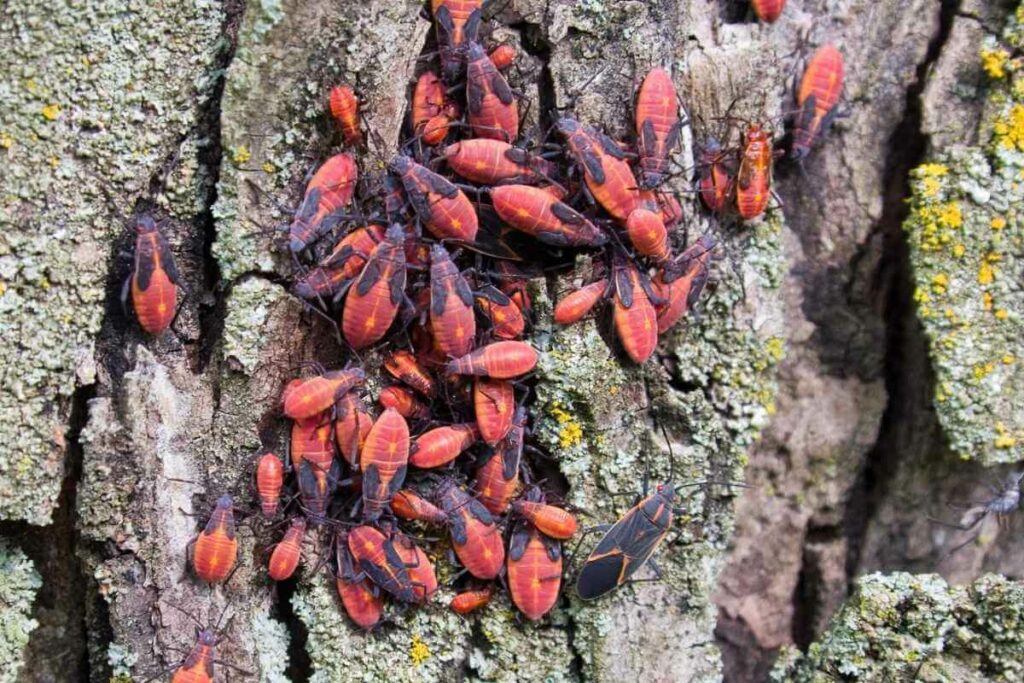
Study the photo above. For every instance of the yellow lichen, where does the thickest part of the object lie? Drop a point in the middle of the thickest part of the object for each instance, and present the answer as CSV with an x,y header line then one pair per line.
x,y
985,274
1008,359
241,155
1009,131
268,167
932,170
776,348
998,223
6,141
986,300
959,250
418,651
1001,314
1005,441
993,61
939,283
51,112
921,295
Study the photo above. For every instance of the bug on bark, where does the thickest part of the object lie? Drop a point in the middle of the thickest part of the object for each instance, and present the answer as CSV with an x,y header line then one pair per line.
x,y
154,281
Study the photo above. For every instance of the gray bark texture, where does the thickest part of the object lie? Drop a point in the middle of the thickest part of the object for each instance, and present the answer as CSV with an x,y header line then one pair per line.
x,y
814,372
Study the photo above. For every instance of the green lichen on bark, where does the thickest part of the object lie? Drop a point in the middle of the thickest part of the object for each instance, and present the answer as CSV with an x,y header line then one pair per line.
x,y
97,90
965,232
19,583
250,308
915,627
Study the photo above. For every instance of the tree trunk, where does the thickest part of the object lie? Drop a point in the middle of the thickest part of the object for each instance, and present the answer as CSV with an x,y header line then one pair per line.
x,y
210,116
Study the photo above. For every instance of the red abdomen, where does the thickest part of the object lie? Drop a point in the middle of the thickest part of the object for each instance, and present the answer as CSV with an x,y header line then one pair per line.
x,y
573,307
154,293
384,460
657,125
285,558
269,480
536,212
534,578
500,360
768,10
441,445
492,488
494,405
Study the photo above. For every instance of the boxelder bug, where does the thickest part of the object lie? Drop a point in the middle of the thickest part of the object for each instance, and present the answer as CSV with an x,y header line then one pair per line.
x,y
657,126
404,401
456,22
216,549
443,208
154,280
753,182
573,307
269,480
475,536
345,110
538,214
329,190
500,360
403,366
288,552
490,102
493,405
817,98
441,445
451,305
361,600
373,299
384,462
471,600
534,571
310,397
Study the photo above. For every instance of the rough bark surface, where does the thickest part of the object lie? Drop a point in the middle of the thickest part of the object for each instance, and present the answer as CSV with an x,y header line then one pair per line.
x,y
211,115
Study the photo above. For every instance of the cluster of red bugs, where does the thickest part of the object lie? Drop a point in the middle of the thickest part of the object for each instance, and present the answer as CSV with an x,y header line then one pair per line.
x,y
445,275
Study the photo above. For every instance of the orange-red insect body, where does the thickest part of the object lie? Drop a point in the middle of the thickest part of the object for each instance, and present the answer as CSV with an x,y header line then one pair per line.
x,y
502,56
404,401
431,109
345,110
500,360
471,600
216,549
715,182
537,213
633,313
456,22
198,665
384,462
287,554
490,102
311,397
312,441
364,605
409,505
351,426
605,170
316,486
681,294
376,556
490,162
768,10
444,209
493,488
475,536
441,445
344,263
550,520
269,480
451,305
493,405
507,320
817,99
329,191
657,126
754,178
154,279
534,571
403,366
647,232
421,571
372,301
573,307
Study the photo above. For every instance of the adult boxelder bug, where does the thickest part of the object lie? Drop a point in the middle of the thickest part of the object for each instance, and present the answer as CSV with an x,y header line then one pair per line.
x,y
475,536
403,366
490,102
377,558
345,110
404,401
817,98
471,600
657,126
456,22
443,208
288,552
328,192
604,166
409,505
493,405
537,213
352,424
154,279
269,480
441,445
361,600
310,397
753,182
534,571
451,305
500,360
373,299
550,520
636,321
628,544
216,549
573,307
384,462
